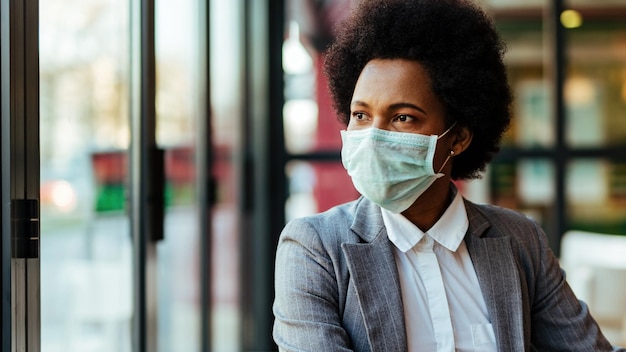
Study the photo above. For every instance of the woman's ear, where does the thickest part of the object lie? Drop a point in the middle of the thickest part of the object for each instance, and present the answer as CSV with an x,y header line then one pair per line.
x,y
462,138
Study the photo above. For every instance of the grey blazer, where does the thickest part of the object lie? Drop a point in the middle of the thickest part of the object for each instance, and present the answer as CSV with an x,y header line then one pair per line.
x,y
337,285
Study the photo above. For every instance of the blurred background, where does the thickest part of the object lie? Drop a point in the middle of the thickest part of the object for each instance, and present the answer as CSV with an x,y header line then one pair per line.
x,y
250,141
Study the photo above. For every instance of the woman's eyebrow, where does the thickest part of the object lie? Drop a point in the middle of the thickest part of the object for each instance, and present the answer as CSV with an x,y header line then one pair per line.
x,y
391,107
407,105
359,103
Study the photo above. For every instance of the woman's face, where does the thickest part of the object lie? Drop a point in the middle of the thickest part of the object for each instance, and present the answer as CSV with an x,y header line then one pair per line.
x,y
396,95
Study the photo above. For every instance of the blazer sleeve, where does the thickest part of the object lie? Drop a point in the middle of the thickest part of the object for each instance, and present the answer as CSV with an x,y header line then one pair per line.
x,y
306,306
560,322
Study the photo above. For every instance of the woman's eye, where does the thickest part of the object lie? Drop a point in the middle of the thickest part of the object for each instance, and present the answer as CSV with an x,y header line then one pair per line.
x,y
404,118
358,116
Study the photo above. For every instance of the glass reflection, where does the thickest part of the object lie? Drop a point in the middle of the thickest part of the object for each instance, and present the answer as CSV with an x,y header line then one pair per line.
x,y
226,80
596,195
178,62
86,275
316,186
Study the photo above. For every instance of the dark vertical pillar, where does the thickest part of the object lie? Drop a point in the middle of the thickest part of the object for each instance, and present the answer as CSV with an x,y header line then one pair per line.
x,y
206,184
146,176
19,154
559,65
263,180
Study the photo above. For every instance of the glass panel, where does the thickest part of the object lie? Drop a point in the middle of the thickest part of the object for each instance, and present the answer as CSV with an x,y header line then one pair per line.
x,y
316,186
86,276
593,257
177,107
520,23
526,186
310,123
596,272
595,93
533,122
596,191
226,112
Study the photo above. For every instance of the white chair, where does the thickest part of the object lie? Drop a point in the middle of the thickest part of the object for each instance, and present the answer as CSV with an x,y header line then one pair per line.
x,y
596,270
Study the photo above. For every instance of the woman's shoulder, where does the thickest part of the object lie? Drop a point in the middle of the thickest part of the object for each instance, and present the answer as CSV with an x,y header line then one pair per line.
x,y
321,234
525,233
330,224
504,222
496,213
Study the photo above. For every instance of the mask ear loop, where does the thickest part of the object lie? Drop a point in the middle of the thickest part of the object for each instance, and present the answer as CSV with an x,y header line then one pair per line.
x,y
448,130
451,152
446,161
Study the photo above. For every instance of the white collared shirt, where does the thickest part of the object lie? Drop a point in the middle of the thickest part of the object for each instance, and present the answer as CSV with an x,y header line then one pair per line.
x,y
444,308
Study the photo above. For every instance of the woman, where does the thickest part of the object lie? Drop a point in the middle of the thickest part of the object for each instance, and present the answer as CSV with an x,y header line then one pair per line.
x,y
411,265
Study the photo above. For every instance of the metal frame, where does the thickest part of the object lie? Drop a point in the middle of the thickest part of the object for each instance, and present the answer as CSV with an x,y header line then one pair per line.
x,y
20,177
263,182
206,183
559,160
146,176
5,163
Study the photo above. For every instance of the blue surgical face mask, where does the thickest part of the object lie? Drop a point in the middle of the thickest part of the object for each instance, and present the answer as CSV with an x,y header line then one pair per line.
x,y
392,169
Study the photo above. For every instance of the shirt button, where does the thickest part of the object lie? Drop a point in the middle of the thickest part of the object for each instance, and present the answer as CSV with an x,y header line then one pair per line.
x,y
428,242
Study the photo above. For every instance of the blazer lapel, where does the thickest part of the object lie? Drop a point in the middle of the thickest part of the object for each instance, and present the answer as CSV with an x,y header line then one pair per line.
x,y
375,277
499,280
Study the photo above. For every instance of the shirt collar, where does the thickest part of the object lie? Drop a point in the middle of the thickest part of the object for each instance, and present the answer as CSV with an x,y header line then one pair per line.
x,y
448,231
